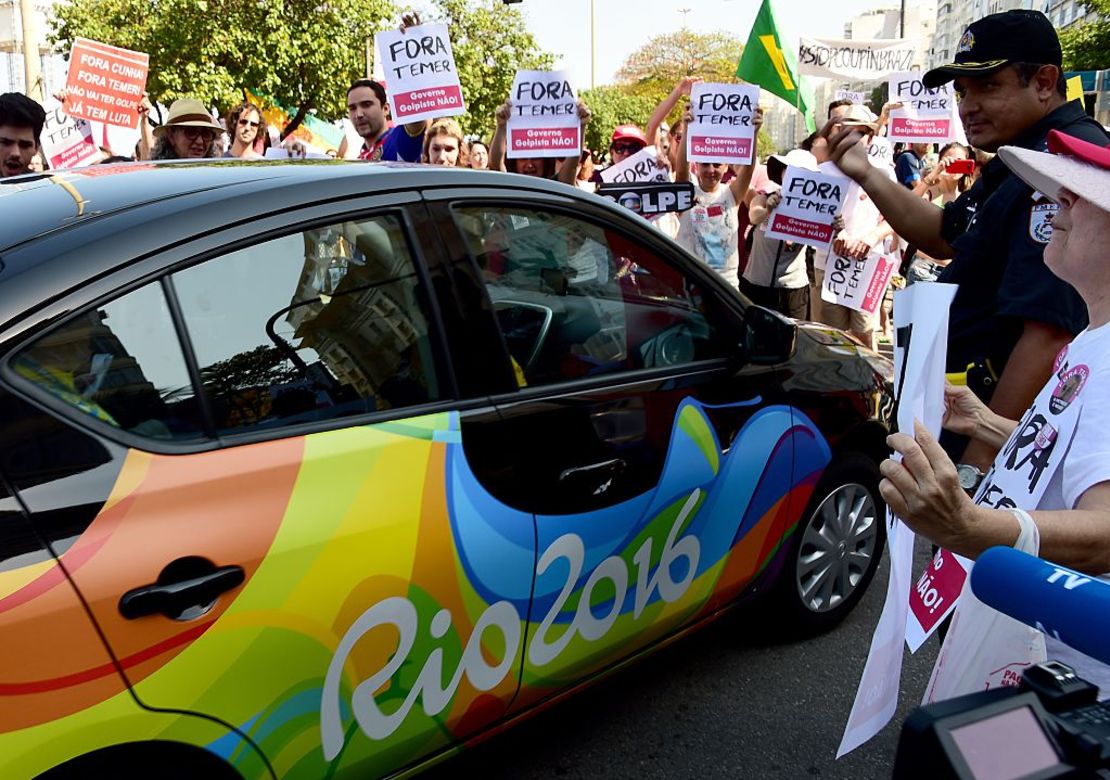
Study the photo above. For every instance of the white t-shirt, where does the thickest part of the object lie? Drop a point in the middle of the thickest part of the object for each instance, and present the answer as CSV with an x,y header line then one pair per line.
x,y
709,231
1086,463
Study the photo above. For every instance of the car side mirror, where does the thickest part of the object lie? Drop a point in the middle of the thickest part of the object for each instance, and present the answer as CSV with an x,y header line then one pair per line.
x,y
769,337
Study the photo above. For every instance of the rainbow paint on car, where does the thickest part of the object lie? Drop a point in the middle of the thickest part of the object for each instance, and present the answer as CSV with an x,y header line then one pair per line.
x,y
392,607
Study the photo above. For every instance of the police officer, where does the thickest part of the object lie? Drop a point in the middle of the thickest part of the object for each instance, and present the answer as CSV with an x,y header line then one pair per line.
x,y
1011,316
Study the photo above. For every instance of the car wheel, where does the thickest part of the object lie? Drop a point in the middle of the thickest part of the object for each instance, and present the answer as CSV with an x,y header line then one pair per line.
x,y
835,549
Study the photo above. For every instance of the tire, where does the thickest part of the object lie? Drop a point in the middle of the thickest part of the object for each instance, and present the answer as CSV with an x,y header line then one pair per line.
x,y
835,549
159,759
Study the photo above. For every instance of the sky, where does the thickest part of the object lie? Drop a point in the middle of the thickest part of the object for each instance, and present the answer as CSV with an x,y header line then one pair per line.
x,y
562,27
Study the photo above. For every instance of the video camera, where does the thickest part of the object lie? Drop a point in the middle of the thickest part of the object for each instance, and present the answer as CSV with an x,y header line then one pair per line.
x,y
1052,725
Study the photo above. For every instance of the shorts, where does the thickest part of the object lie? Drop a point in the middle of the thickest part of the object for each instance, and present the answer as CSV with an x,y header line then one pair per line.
x,y
791,302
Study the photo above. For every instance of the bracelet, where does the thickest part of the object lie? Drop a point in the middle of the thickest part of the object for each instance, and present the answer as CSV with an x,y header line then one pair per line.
x,y
1029,536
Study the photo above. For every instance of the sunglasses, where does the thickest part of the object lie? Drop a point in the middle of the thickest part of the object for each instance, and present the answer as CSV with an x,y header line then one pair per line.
x,y
245,122
626,148
193,133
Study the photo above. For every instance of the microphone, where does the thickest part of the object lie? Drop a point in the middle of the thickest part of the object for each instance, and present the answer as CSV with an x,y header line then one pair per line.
x,y
1071,607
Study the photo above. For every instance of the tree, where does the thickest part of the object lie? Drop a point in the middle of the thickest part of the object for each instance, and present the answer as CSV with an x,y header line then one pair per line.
x,y
303,53
490,44
612,106
654,68
1086,46
764,145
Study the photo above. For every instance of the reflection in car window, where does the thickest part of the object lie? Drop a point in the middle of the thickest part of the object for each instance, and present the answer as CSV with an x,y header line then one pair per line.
x,y
575,300
312,326
120,363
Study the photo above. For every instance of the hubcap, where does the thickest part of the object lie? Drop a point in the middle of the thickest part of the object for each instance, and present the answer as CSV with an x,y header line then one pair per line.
x,y
837,548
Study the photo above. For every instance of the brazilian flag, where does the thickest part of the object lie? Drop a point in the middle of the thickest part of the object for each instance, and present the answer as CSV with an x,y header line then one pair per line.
x,y
773,66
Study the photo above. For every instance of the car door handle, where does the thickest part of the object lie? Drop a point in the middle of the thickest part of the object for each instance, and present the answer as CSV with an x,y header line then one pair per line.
x,y
175,599
598,476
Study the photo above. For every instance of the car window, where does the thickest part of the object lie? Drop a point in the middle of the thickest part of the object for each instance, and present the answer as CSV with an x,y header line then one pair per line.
x,y
315,325
574,299
122,364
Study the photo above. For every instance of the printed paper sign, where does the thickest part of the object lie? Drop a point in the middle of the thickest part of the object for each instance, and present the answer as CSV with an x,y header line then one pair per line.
x,y
856,97
105,83
926,115
722,130
921,334
544,120
67,142
641,167
420,68
934,596
854,60
651,198
880,152
858,284
810,202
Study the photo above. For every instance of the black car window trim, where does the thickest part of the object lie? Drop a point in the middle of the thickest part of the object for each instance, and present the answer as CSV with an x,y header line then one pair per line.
x,y
596,218
56,406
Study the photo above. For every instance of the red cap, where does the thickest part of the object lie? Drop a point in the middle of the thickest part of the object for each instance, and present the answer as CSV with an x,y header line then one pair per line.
x,y
629,133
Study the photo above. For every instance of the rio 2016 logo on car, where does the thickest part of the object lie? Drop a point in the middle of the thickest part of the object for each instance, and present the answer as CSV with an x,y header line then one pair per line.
x,y
635,565
401,613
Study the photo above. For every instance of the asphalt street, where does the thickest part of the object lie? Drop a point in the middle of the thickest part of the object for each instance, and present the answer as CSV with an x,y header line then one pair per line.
x,y
724,702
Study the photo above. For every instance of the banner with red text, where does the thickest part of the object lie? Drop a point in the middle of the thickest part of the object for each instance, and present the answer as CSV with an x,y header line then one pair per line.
x,y
722,130
544,116
105,83
420,68
858,284
926,116
809,204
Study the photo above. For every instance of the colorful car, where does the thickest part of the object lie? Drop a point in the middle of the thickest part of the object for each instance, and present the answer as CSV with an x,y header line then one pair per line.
x,y
328,470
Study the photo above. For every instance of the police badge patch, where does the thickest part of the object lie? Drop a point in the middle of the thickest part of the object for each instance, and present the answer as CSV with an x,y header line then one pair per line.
x,y
1040,221
967,41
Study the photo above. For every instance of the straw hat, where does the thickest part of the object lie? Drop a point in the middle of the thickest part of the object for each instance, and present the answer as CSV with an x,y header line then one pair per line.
x,y
188,113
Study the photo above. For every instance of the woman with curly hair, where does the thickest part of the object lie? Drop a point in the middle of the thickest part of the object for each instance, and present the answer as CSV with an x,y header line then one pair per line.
x,y
444,145
189,133
247,128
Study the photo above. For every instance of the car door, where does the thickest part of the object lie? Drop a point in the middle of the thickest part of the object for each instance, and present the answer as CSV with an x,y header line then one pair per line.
x,y
660,467
279,549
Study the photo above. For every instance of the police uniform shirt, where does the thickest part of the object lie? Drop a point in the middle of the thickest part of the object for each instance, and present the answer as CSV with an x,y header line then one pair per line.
x,y
999,232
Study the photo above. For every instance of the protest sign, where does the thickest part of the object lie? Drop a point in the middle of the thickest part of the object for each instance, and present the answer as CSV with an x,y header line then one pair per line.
x,y
67,142
856,97
921,334
880,152
926,115
852,60
420,67
722,129
650,198
858,284
810,203
105,83
544,116
641,167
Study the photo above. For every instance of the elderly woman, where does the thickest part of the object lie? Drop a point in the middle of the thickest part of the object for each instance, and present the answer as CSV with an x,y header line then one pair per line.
x,y
1053,468
189,133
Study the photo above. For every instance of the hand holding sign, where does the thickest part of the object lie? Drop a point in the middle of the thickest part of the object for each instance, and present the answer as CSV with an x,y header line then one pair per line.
x,y
543,116
645,166
723,123
105,83
420,67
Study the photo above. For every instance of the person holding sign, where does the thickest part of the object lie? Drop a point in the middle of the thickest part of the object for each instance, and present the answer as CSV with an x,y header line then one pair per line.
x,y
1052,470
544,167
1010,316
21,121
368,110
710,230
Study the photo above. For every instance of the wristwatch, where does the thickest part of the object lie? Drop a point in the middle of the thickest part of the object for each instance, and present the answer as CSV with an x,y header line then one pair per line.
x,y
969,476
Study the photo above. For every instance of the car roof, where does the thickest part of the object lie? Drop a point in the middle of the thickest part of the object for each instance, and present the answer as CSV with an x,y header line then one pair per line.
x,y
38,205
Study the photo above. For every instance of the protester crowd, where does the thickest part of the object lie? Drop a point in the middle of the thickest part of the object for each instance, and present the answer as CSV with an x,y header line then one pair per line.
x,y
955,213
